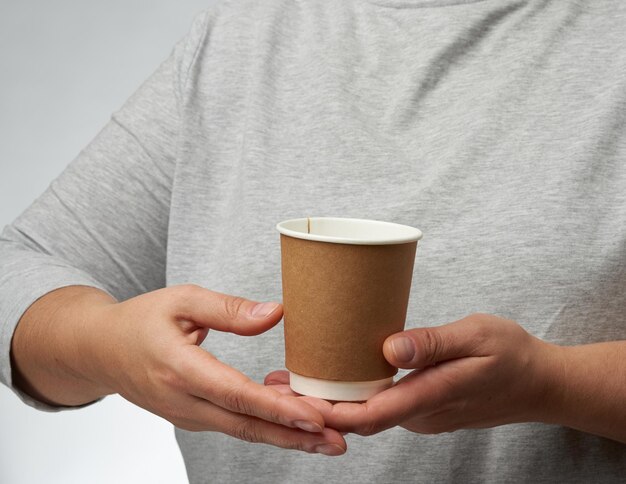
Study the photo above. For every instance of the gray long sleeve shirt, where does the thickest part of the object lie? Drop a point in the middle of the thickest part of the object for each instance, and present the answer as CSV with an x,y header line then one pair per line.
x,y
498,127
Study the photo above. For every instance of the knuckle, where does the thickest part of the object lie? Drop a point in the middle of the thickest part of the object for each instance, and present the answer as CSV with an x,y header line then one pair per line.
x,y
232,306
300,445
182,296
169,378
433,344
479,316
187,290
366,429
273,414
369,425
426,426
247,430
234,400
188,425
481,331
172,371
172,412
180,423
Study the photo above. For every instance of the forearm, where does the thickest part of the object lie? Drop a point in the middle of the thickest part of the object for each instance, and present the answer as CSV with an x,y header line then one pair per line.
x,y
52,348
590,389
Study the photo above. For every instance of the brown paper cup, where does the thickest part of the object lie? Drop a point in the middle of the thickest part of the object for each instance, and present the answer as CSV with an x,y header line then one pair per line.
x,y
346,285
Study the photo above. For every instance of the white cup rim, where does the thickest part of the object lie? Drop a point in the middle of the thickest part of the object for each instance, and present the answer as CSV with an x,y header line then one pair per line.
x,y
349,231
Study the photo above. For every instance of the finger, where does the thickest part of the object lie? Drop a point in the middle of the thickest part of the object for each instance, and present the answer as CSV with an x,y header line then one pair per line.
x,y
273,380
212,380
283,389
206,416
279,380
223,312
422,347
420,393
278,377
322,406
381,412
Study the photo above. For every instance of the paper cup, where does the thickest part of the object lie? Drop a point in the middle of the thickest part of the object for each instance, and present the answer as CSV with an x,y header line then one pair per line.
x,y
346,285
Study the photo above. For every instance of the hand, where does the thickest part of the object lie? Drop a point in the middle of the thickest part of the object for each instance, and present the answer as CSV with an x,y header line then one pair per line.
x,y
481,371
146,349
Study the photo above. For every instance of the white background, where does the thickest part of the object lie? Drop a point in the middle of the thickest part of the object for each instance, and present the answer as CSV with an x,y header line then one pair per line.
x,y
65,66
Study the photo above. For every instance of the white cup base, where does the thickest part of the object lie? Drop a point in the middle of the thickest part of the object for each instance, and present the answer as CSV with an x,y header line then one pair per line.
x,y
347,391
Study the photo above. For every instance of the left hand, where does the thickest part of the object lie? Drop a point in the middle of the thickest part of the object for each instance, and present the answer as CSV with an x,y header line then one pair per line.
x,y
480,371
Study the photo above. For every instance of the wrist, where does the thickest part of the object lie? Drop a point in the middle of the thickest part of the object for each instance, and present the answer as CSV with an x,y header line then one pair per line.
x,y
90,355
589,391
50,350
550,376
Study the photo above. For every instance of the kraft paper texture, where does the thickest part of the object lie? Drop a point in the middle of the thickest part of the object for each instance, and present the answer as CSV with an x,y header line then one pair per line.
x,y
341,302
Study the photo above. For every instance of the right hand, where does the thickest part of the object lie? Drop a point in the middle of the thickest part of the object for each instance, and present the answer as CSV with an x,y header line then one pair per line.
x,y
153,359
147,350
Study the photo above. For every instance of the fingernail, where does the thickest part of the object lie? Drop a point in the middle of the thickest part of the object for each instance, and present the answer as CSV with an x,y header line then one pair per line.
x,y
308,426
263,310
403,348
329,449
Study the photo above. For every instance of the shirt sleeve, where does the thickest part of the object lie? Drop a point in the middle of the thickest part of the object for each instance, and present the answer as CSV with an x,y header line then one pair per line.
x,y
104,221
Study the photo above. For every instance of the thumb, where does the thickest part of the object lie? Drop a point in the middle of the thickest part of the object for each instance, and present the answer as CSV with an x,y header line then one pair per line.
x,y
422,347
223,312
